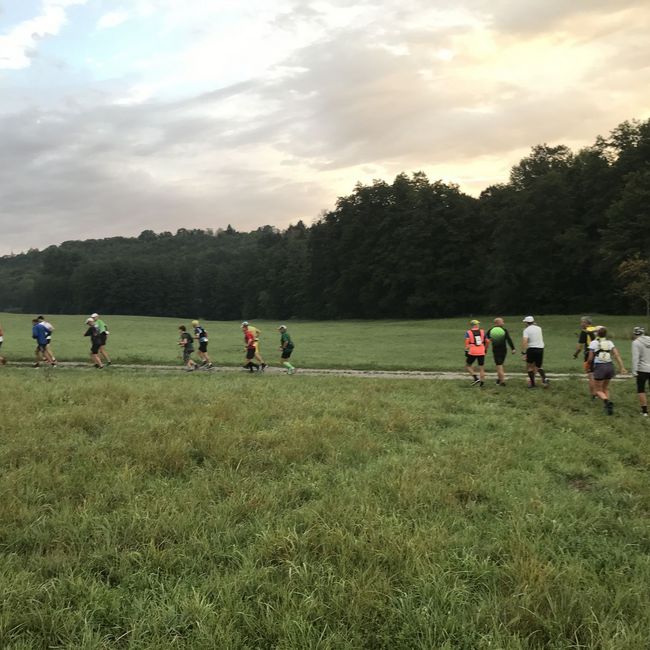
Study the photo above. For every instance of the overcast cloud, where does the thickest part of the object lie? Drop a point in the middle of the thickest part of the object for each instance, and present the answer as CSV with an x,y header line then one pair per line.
x,y
160,114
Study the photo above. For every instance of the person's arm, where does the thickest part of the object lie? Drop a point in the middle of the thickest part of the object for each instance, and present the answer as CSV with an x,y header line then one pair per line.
x,y
590,358
524,344
466,341
619,361
582,340
635,358
89,332
509,341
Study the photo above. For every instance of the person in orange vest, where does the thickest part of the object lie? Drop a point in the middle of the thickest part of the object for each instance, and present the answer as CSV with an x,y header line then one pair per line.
x,y
475,349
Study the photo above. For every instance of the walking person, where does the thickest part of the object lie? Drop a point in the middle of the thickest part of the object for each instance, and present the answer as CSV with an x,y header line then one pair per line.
x,y
586,336
202,337
532,346
641,366
601,352
499,337
249,342
286,348
103,333
3,361
187,343
95,342
475,349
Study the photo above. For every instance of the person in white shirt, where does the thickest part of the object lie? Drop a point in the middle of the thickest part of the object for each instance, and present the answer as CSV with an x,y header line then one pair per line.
x,y
641,365
601,353
532,347
2,359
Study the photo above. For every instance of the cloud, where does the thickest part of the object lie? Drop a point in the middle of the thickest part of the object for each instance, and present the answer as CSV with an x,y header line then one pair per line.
x,y
266,114
112,19
17,46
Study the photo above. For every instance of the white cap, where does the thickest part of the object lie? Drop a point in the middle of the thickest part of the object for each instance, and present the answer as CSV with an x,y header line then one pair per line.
x,y
245,323
94,315
282,327
529,319
89,320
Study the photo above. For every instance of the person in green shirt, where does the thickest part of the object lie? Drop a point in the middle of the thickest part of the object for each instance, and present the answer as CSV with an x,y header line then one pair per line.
x,y
286,348
103,335
501,340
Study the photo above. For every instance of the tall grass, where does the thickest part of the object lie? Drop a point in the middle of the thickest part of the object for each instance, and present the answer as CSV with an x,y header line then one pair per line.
x,y
388,345
236,511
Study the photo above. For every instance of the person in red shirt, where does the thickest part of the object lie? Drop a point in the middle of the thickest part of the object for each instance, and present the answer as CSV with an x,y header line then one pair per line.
x,y
249,342
475,348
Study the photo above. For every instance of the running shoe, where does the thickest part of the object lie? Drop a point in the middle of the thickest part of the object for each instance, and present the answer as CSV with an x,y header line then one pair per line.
x,y
476,381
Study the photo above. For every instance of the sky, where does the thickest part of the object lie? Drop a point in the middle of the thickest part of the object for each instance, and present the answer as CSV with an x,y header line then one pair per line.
x,y
122,116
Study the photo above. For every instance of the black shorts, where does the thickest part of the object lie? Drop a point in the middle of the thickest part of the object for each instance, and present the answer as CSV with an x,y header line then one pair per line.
x,y
102,338
470,359
286,352
536,356
250,353
641,379
187,354
94,348
203,346
603,371
499,355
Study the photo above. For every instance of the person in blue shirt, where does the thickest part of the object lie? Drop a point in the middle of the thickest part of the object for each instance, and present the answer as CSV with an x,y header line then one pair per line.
x,y
40,333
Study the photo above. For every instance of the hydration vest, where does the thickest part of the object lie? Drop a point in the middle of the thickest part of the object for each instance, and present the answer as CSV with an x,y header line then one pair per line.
x,y
476,342
604,354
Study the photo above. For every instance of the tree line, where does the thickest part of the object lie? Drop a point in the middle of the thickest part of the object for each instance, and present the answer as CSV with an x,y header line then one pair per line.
x,y
559,237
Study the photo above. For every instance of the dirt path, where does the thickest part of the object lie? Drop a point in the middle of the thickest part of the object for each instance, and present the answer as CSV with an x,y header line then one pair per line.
x,y
336,372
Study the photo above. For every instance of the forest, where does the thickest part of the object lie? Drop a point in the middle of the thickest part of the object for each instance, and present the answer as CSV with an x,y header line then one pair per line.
x,y
569,232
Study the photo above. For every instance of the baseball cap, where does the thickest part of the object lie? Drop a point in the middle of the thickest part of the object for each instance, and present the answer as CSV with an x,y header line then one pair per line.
x,y
475,322
94,315
528,319
88,321
638,331
282,327
244,323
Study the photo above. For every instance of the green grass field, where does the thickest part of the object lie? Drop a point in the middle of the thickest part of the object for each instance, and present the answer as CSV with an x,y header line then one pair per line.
x,y
387,345
148,510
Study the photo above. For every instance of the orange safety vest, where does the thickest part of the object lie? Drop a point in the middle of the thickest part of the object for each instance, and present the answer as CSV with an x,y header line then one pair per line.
x,y
475,343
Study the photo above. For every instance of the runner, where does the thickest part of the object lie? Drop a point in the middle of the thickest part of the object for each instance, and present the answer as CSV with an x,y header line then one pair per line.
x,y
187,343
95,342
48,347
258,355
601,351
286,346
500,339
202,337
3,361
103,333
475,349
532,346
249,341
587,335
40,333
641,365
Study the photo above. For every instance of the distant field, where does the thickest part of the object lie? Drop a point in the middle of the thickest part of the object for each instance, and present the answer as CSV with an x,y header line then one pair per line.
x,y
388,345
148,510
